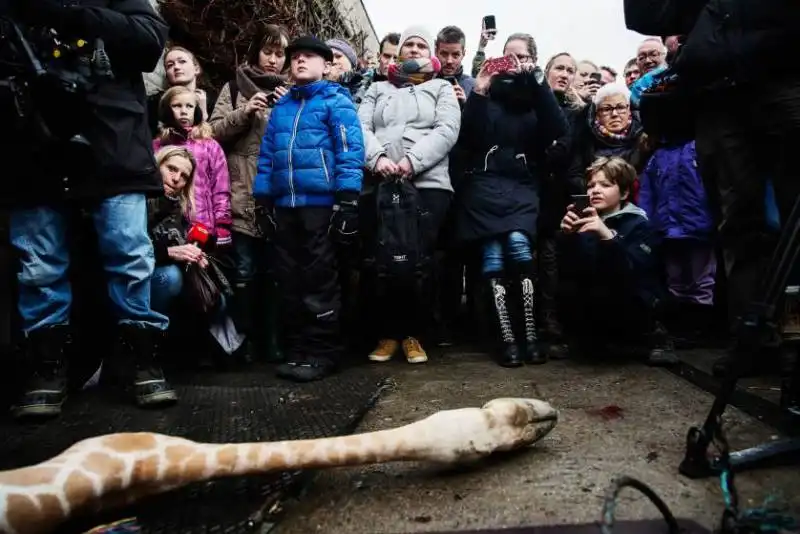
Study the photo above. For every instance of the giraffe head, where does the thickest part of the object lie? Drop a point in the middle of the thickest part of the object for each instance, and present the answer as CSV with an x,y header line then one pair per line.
x,y
528,420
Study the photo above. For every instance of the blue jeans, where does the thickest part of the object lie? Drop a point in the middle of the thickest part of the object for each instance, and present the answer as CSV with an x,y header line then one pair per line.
x,y
514,247
165,287
45,295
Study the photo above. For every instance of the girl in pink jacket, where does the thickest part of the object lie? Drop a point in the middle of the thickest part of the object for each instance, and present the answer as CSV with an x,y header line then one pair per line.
x,y
182,124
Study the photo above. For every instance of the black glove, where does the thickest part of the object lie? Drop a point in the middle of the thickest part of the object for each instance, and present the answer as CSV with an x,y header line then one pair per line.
x,y
265,217
344,221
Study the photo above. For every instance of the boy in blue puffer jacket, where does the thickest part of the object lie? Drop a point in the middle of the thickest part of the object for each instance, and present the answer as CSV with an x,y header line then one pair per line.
x,y
306,190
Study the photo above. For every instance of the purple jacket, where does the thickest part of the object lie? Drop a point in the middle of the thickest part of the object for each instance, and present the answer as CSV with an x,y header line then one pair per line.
x,y
673,195
212,186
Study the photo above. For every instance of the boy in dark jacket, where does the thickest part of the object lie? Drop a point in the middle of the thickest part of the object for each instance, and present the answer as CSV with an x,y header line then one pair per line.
x,y
306,189
609,268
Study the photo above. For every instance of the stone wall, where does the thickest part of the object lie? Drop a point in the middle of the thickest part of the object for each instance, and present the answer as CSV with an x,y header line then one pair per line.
x,y
358,17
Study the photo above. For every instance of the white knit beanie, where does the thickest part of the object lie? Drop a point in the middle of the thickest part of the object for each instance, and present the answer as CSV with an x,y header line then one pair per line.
x,y
418,31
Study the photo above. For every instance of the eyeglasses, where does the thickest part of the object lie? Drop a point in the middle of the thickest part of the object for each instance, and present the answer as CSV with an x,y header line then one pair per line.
x,y
607,110
652,54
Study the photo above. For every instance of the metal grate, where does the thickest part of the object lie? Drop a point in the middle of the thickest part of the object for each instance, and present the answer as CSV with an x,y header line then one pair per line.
x,y
237,411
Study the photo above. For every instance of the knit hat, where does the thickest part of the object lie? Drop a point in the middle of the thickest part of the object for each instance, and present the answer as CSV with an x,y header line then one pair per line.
x,y
418,31
309,43
345,48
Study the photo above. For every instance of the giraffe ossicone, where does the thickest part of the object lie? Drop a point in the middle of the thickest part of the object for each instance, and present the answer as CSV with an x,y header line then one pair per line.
x,y
118,469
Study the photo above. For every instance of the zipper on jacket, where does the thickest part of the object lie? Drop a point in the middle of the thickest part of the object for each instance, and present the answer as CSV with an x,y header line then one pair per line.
x,y
343,130
291,145
325,166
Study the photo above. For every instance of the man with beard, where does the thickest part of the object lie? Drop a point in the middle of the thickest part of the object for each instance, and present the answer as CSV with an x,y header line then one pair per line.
x,y
451,49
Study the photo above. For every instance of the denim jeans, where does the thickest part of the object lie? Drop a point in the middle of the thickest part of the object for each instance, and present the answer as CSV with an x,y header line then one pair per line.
x,y
165,287
45,295
514,247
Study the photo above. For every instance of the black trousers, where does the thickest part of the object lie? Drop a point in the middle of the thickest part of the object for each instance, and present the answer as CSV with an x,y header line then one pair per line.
x,y
458,274
593,313
745,137
397,310
549,323
307,275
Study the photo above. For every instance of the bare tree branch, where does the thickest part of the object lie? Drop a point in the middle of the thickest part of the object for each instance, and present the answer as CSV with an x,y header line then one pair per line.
x,y
219,32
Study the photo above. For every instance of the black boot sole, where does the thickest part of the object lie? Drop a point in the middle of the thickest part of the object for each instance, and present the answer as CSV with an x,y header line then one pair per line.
x,y
154,400
37,411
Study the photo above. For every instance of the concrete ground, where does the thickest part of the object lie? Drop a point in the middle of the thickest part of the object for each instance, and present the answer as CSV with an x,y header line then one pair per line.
x,y
562,479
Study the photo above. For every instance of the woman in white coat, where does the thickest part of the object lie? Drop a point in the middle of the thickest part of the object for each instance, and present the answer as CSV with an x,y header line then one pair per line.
x,y
410,122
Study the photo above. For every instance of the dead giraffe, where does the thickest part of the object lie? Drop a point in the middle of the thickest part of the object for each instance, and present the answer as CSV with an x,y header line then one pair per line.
x,y
118,469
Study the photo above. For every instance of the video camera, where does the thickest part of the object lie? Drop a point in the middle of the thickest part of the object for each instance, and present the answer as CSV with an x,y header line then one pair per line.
x,y
47,78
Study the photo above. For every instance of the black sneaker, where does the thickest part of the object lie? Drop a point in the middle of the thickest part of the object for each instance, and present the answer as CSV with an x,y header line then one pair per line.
x,y
307,369
662,351
138,350
151,388
46,390
43,399
445,335
445,338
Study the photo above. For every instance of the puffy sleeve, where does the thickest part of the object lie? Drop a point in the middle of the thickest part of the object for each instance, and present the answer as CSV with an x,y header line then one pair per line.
x,y
349,149
366,112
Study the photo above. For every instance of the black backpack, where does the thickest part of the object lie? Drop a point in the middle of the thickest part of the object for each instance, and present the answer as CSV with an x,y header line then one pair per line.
x,y
400,250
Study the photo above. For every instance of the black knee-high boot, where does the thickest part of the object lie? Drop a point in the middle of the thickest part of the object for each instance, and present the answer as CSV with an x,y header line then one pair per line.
x,y
526,278
508,354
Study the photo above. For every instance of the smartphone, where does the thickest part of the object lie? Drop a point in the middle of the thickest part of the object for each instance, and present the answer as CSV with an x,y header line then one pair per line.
x,y
500,64
596,76
452,81
490,25
581,202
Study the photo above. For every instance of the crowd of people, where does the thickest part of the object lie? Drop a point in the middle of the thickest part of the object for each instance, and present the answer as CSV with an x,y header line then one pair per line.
x,y
495,159
552,223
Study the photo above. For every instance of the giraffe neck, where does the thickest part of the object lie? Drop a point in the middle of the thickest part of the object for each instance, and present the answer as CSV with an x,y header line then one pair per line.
x,y
114,470
119,469
258,458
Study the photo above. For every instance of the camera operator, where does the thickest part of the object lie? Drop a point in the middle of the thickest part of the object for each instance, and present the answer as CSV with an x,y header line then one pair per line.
x,y
97,156
746,100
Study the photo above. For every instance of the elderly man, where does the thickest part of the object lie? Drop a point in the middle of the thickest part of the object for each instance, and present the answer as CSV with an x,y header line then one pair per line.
x,y
651,54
